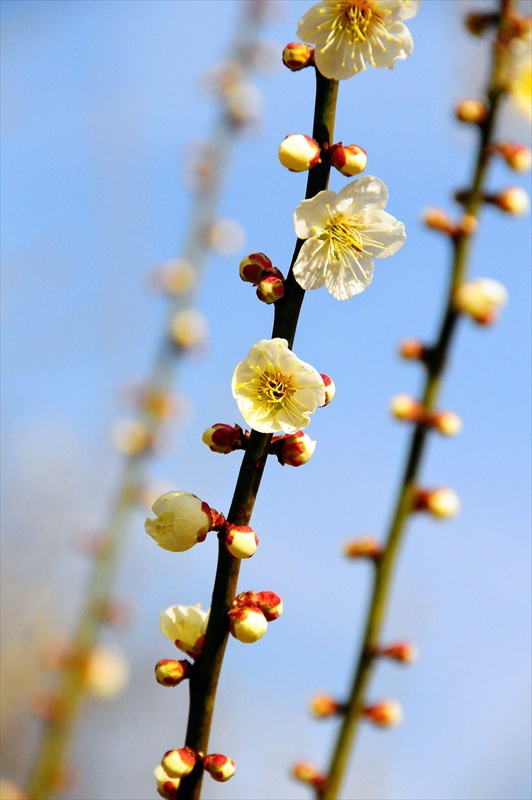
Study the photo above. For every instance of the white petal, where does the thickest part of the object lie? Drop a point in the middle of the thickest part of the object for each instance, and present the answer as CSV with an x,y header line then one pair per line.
x,y
396,49
311,264
311,215
363,195
346,281
400,9
387,231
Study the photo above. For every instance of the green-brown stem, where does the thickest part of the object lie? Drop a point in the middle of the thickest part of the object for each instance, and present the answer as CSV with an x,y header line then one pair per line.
x,y
206,671
384,568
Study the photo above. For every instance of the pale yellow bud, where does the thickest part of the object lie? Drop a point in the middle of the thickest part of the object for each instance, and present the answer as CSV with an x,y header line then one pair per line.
x,y
247,624
405,408
166,786
482,299
513,200
473,112
298,152
106,673
189,328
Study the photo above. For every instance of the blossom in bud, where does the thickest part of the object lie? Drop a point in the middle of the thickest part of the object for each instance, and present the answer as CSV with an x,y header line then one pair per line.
x,y
324,705
182,520
404,407
219,767
385,714
178,763
467,225
297,56
221,438
166,786
482,299
295,449
247,623
106,673
189,328
412,349
241,541
270,289
330,389
349,159
442,503
403,652
367,547
478,23
177,276
472,111
255,267
446,422
185,626
517,156
438,220
131,436
160,405
169,672
513,200
299,152
270,604
307,773
10,791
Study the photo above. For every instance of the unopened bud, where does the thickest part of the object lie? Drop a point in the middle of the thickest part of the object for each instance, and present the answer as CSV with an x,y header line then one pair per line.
x,y
478,23
482,299
166,786
412,349
106,673
177,276
178,763
270,289
324,705
299,152
297,56
467,225
367,547
307,773
349,159
438,220
517,156
241,541
160,405
330,389
294,449
219,767
403,652
404,407
385,714
182,520
221,438
446,422
513,200
442,503
132,437
247,624
169,672
473,112
189,329
270,604
255,267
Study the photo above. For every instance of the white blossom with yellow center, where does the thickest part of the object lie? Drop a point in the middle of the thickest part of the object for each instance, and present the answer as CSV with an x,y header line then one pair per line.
x,y
349,34
344,232
274,390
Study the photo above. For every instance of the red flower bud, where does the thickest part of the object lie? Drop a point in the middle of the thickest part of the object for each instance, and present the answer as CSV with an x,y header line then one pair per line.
x,y
270,604
349,159
221,438
297,56
219,767
169,672
255,267
270,289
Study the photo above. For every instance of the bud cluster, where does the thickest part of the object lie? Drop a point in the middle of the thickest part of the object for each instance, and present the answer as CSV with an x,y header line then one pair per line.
x,y
177,764
258,270
250,614
405,408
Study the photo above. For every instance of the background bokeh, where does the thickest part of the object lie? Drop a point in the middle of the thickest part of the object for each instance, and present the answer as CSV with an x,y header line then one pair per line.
x,y
100,102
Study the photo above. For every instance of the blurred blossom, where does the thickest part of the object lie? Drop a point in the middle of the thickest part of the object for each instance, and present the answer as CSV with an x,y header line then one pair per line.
x,y
10,791
189,328
244,103
265,56
226,236
131,436
520,87
175,276
106,673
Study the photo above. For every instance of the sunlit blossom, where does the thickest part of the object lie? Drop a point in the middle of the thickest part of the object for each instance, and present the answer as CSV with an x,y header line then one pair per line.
x,y
520,85
185,626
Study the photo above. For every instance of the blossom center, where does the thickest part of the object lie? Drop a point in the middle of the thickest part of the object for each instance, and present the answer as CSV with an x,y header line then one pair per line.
x,y
274,387
358,16
342,235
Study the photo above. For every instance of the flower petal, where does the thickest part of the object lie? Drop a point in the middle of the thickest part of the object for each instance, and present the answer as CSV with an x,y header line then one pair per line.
x,y
386,233
397,47
351,278
400,9
311,215
363,195
311,264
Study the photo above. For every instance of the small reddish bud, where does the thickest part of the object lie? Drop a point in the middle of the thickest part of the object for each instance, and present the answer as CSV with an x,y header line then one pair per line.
x,y
403,652
473,112
405,408
219,767
241,541
349,159
297,56
221,438
367,547
299,152
385,714
413,349
169,672
324,705
517,156
442,503
481,299
166,786
270,604
447,423
255,267
247,623
513,200
478,23
439,220
330,389
270,289
178,763
294,449
307,773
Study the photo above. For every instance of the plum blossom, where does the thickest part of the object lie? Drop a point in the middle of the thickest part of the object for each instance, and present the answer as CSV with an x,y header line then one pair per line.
x,y
185,626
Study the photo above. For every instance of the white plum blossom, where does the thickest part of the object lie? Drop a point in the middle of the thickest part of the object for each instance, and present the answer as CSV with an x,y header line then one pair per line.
x,y
275,390
344,232
349,34
185,626
182,520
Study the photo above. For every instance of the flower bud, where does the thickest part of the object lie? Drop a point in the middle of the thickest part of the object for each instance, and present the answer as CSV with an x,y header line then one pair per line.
x,y
299,152
182,520
226,236
221,438
330,389
255,267
185,626
166,786
178,763
349,159
324,705
131,436
307,773
177,276
403,652
241,541
247,623
482,299
270,289
367,547
405,408
467,225
294,449
169,672
478,23
160,405
189,329
439,220
446,422
270,604
442,503
513,200
10,791
219,767
385,714
297,56
517,156
473,112
412,349
106,673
